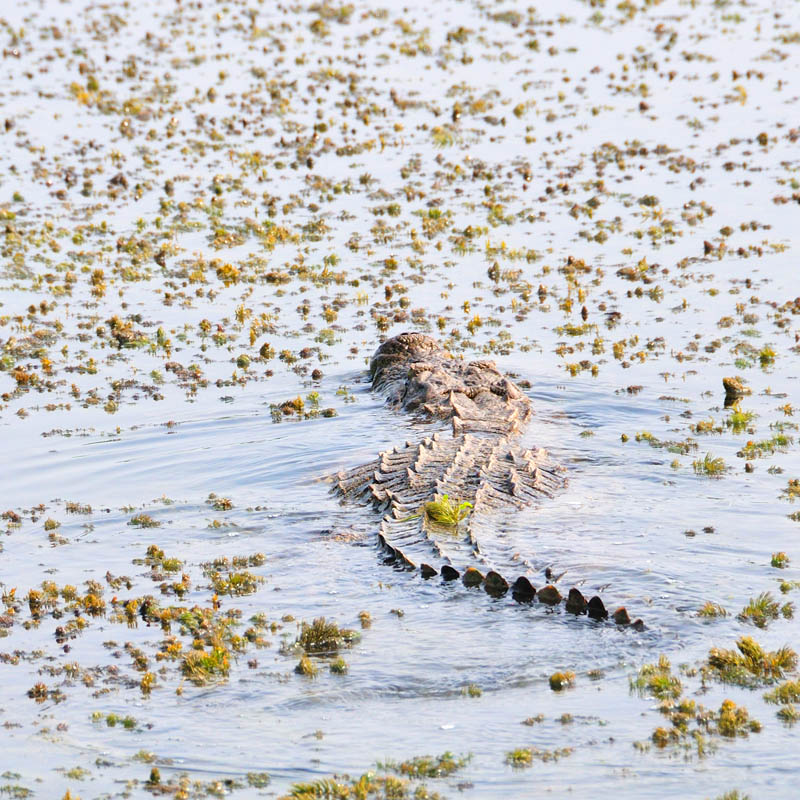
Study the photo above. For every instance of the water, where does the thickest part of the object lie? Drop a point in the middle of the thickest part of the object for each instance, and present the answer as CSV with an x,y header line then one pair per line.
x,y
170,426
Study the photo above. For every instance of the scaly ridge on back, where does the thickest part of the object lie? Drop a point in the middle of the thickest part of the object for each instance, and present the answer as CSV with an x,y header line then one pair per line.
x,y
479,464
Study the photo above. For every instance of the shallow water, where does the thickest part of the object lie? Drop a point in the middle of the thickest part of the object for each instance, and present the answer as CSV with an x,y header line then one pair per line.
x,y
166,423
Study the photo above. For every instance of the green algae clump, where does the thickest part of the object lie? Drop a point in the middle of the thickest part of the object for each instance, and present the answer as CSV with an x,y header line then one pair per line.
x,y
445,511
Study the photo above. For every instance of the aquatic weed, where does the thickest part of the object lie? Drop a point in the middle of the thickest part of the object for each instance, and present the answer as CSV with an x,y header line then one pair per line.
x,y
521,757
440,766
710,609
202,667
258,780
445,511
235,583
709,465
779,560
738,421
785,693
792,490
777,443
144,521
657,679
339,666
385,787
750,664
760,610
525,756
733,721
324,637
306,667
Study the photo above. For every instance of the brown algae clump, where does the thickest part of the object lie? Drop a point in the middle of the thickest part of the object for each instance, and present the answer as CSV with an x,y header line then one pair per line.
x,y
562,680
734,389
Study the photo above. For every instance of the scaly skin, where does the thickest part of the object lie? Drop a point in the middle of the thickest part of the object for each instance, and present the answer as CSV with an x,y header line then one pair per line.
x,y
480,463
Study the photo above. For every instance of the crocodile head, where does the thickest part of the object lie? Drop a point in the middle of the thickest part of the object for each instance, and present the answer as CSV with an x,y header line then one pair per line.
x,y
417,374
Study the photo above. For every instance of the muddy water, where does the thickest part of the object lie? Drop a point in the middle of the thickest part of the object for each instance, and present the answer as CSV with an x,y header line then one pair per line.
x,y
210,210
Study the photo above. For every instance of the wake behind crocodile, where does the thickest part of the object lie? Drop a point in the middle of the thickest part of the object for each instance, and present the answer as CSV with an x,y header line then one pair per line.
x,y
449,500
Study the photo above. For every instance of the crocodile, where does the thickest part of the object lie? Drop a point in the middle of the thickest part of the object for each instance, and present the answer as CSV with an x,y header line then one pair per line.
x,y
480,471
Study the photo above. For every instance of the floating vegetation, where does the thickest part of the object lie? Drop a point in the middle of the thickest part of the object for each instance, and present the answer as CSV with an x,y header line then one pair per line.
x,y
444,511
709,465
385,787
710,609
521,757
441,766
693,727
339,666
734,794
531,721
766,356
657,680
562,680
112,720
679,448
202,667
235,583
144,521
324,637
788,714
734,721
777,443
779,560
760,610
739,421
792,490
525,756
784,694
219,503
306,667
750,664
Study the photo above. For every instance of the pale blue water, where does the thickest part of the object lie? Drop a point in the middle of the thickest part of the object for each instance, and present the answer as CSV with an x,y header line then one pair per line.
x,y
620,524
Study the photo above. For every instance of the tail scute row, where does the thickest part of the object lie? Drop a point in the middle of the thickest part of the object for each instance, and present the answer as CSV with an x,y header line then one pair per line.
x,y
522,590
